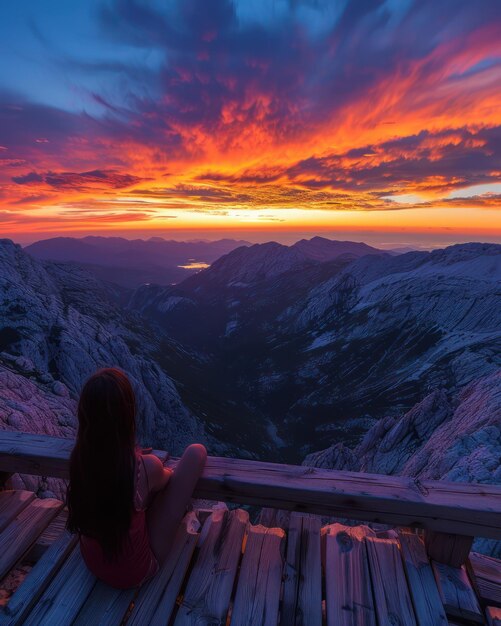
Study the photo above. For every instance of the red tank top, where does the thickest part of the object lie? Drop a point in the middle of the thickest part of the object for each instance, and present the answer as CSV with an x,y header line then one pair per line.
x,y
136,561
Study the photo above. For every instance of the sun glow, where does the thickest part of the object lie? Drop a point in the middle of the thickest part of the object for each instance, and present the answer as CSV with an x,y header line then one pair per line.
x,y
295,132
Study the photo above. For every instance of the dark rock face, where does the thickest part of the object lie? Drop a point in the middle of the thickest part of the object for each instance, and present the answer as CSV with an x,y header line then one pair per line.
x,y
60,324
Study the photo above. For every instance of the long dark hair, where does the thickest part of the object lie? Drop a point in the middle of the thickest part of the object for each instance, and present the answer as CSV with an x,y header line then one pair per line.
x,y
100,493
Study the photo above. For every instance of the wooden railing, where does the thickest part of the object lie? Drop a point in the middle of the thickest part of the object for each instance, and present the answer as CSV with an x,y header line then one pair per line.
x,y
451,513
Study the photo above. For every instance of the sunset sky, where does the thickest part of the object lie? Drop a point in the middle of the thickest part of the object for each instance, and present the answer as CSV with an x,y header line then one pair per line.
x,y
259,118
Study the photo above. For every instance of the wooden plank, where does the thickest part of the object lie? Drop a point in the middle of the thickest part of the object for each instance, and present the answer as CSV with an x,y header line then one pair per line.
x,y
62,600
422,585
487,573
11,504
274,518
104,606
37,580
468,509
456,592
258,590
52,533
302,594
462,508
391,594
156,601
39,455
348,589
208,592
493,616
447,548
24,529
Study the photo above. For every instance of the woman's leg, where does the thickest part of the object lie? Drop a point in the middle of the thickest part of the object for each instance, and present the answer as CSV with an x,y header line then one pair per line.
x,y
169,505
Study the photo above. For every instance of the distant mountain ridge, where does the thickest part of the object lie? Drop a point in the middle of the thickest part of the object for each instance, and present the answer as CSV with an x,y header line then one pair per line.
x,y
161,261
322,249
251,264
154,260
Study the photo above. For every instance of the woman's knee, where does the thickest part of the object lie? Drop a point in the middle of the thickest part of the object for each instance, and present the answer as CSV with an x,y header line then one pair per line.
x,y
196,454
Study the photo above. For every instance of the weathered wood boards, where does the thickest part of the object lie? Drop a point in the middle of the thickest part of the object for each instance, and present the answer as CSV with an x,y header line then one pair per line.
x,y
348,590
104,606
35,454
62,600
156,600
53,531
391,595
369,579
457,594
421,581
487,573
24,529
37,580
12,503
207,596
461,508
302,592
258,591
465,509
447,548
40,455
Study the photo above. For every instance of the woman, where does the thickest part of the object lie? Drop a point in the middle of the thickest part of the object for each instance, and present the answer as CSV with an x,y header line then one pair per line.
x,y
125,505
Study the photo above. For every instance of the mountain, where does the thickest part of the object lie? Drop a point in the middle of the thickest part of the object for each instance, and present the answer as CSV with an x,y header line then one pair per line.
x,y
58,325
322,249
131,263
314,347
259,262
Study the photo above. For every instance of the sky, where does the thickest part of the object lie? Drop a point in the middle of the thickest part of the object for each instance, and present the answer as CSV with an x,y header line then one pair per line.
x,y
265,119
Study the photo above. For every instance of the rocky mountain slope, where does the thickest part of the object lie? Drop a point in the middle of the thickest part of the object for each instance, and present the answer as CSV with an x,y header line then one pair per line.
x,y
454,438
59,324
313,348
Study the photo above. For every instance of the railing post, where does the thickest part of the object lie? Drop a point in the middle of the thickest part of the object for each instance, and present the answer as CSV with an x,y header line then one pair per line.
x,y
447,548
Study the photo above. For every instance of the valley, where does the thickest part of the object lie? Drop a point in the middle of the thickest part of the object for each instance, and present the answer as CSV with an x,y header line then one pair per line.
x,y
317,352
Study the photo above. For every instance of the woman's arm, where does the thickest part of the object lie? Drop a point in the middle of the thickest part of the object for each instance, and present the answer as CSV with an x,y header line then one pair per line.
x,y
158,475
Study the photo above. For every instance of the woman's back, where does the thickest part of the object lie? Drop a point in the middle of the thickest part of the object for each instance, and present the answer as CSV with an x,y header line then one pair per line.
x,y
136,561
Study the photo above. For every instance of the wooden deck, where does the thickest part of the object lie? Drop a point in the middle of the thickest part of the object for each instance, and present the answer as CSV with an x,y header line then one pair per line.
x,y
226,571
